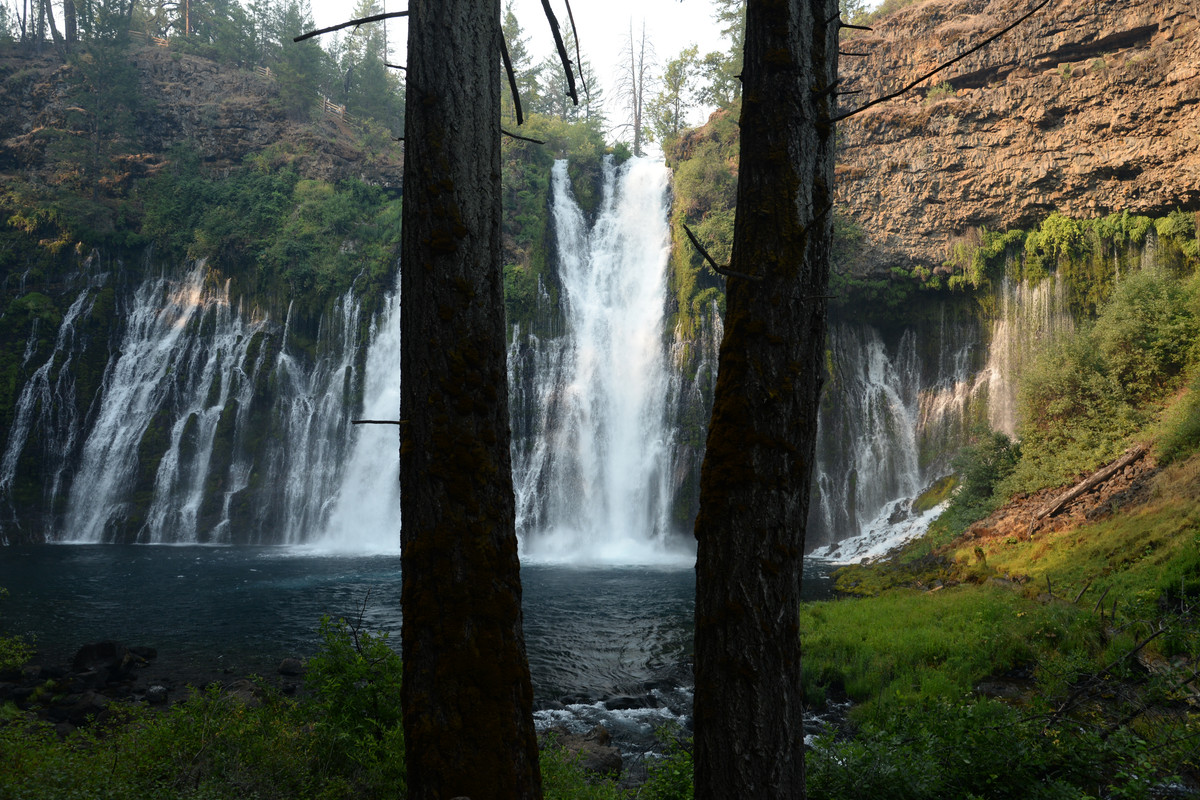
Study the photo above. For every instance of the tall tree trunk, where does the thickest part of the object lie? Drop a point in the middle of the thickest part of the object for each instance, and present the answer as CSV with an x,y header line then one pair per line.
x,y
467,696
59,44
70,22
754,484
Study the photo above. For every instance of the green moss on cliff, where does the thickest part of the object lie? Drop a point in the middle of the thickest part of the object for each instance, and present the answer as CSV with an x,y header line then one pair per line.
x,y
525,180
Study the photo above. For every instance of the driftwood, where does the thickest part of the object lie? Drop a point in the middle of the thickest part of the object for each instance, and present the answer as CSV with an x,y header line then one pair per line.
x,y
1101,475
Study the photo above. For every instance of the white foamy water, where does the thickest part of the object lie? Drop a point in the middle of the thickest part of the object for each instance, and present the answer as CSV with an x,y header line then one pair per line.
x,y
595,486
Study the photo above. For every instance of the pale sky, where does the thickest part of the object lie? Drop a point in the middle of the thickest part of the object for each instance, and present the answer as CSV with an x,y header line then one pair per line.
x,y
671,25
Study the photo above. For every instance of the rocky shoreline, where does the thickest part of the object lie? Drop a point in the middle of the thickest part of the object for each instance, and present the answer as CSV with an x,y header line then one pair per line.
x,y
104,673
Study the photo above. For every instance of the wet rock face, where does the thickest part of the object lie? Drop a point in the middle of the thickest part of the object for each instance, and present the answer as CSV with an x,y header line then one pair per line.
x,y
1085,109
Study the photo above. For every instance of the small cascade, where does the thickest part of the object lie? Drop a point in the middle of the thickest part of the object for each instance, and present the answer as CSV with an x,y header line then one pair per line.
x,y
593,481
1030,317
316,398
890,420
163,397
47,408
365,512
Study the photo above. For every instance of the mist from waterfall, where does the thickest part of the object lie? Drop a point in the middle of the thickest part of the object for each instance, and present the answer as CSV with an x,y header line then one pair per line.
x,y
594,486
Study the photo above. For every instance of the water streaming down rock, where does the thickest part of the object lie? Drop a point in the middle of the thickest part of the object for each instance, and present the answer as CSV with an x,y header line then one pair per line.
x,y
206,427
365,512
1029,318
168,386
887,416
47,412
206,421
594,478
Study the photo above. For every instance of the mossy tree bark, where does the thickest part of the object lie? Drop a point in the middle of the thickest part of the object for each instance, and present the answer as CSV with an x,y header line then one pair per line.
x,y
754,485
467,697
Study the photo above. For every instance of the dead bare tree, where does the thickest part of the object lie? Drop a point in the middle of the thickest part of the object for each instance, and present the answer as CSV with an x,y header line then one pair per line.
x,y
633,84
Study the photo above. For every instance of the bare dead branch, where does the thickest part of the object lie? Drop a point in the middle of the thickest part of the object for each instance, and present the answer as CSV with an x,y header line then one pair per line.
x,y
512,80
352,23
1082,591
1098,606
395,66
946,64
856,55
562,51
512,135
854,27
726,271
378,422
587,92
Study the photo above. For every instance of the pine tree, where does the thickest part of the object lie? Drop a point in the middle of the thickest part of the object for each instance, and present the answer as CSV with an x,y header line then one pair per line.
x,y
467,695
668,110
758,463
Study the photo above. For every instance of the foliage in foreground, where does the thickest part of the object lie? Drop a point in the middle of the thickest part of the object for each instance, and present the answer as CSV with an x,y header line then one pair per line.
x,y
1059,667
342,739
14,650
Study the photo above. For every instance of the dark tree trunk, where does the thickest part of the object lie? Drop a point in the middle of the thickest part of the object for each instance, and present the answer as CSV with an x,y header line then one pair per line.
x,y
70,22
467,696
754,484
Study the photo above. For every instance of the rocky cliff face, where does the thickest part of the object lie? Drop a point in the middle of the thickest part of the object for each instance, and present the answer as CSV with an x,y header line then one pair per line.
x,y
1085,109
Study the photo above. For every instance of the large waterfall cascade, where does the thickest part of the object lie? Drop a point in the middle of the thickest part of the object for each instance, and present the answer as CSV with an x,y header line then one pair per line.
x,y
163,366
595,484
365,511
207,428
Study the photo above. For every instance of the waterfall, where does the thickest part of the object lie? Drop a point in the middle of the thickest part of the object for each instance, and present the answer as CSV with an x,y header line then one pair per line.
x,y
1029,318
594,483
890,419
166,386
47,407
366,507
208,425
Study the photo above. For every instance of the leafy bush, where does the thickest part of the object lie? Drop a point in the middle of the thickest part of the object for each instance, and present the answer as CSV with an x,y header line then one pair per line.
x,y
344,741
671,776
1178,434
981,467
563,778
940,92
355,680
14,651
1089,392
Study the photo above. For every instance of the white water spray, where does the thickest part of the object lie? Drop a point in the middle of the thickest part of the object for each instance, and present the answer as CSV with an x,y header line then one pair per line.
x,y
164,368
366,510
596,484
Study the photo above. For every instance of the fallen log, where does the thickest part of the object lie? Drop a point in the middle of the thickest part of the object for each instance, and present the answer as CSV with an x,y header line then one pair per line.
x,y
1099,476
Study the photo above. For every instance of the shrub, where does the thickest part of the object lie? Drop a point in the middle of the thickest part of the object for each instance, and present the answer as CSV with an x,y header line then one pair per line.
x,y
1179,431
355,681
980,466
14,650
940,92
1089,392
670,776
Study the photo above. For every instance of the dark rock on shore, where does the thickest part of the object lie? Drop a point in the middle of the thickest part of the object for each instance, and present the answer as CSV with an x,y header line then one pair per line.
x,y
595,749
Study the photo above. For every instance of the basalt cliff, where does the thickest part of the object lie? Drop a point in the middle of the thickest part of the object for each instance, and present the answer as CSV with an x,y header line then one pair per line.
x,y
1085,108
